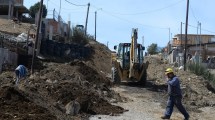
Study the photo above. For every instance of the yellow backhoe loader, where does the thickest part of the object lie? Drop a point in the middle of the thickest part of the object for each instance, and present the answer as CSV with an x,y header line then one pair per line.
x,y
128,63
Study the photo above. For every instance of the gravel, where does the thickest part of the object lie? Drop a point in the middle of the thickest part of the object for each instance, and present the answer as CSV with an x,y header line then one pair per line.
x,y
140,105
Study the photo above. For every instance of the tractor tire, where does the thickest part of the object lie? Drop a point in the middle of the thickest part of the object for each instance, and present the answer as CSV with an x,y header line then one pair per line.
x,y
143,79
115,76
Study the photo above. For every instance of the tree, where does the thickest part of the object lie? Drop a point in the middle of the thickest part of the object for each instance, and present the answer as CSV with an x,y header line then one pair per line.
x,y
152,49
35,8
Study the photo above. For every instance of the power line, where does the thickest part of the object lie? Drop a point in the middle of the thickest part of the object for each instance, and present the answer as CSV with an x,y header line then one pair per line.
x,y
151,11
208,31
129,21
192,11
70,9
193,14
62,7
112,14
54,3
201,28
74,3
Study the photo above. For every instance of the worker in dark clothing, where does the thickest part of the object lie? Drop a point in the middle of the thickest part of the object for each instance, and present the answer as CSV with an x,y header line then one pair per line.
x,y
175,96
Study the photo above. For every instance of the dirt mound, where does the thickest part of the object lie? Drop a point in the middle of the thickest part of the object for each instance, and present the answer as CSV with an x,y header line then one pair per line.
x,y
51,88
197,92
90,74
14,104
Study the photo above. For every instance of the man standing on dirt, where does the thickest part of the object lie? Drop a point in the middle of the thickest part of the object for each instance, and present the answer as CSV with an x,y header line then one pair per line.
x,y
175,96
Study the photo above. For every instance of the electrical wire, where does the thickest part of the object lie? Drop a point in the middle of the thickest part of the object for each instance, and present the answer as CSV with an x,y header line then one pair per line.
x,y
111,14
63,8
54,3
202,29
193,14
151,11
75,4
129,21
71,9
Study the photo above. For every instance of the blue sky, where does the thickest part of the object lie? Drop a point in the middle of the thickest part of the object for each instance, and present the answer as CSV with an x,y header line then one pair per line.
x,y
153,18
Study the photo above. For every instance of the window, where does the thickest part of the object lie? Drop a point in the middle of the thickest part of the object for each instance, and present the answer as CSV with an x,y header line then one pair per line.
x,y
127,49
140,54
120,51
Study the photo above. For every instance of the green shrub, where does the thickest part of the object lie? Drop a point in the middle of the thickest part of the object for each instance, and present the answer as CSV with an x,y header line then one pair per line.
x,y
80,37
199,70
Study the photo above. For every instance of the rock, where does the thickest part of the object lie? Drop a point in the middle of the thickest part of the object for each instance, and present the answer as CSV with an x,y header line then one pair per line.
x,y
113,101
55,81
105,93
181,68
72,108
48,81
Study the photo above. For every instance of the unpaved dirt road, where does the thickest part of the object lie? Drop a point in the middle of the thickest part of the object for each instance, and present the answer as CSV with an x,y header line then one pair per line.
x,y
147,103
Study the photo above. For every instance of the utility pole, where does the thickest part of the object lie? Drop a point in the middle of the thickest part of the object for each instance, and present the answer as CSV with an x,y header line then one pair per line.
x,y
87,18
107,43
47,5
197,36
200,40
95,24
185,45
54,14
143,41
181,38
169,45
60,8
169,34
37,37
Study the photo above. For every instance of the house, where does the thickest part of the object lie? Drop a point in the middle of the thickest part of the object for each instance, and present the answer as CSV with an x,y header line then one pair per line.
x,y
192,39
196,44
12,8
57,29
206,50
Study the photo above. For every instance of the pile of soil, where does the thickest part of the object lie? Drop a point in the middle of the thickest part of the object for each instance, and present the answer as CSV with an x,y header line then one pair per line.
x,y
15,105
50,89
197,92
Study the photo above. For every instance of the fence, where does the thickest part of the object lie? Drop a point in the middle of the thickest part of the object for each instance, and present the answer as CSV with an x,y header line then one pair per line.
x,y
62,50
57,17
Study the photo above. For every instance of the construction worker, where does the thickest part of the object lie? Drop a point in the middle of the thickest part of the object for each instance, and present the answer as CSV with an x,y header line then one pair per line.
x,y
21,72
175,96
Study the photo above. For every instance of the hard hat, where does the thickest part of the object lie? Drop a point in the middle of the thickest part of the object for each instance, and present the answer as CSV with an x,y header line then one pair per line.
x,y
168,70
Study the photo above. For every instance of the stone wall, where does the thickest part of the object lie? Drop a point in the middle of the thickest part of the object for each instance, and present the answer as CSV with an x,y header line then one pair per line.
x,y
70,51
